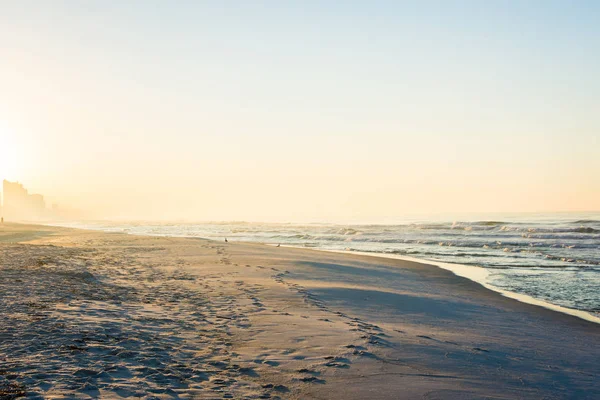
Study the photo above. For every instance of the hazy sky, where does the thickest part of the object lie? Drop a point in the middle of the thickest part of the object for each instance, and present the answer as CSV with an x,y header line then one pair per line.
x,y
302,110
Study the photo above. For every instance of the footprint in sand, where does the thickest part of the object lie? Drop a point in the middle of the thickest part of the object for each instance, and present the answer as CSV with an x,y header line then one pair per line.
x,y
337,365
271,363
312,379
278,388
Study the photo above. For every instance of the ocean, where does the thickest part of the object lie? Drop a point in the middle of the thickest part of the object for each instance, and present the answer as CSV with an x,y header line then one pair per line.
x,y
554,258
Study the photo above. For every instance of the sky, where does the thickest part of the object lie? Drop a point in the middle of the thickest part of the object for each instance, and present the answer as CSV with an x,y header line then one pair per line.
x,y
302,110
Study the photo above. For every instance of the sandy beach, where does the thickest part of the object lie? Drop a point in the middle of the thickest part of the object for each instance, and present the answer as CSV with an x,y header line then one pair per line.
x,y
86,314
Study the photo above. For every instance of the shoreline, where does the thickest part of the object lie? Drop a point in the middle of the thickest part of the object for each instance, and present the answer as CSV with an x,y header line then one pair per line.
x,y
477,275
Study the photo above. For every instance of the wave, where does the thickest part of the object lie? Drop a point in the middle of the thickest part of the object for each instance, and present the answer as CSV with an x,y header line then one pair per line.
x,y
586,230
346,232
508,227
491,223
564,236
431,226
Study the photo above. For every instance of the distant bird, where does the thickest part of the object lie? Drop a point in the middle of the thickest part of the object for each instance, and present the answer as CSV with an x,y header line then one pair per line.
x,y
226,240
278,244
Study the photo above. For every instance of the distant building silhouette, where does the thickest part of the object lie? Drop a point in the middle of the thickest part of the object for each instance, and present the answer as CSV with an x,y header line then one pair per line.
x,y
18,204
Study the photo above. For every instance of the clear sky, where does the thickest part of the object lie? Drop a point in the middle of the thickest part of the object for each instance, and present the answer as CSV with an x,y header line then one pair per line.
x,y
302,110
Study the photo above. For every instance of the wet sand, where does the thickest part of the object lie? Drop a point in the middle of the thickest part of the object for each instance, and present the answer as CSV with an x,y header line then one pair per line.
x,y
88,314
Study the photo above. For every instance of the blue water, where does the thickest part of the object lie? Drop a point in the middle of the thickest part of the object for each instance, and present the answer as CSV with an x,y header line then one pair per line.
x,y
552,257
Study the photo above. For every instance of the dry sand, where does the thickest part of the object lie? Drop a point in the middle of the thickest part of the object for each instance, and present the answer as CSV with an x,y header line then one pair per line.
x,y
88,314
